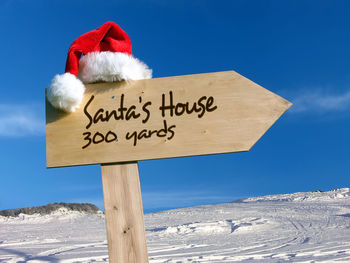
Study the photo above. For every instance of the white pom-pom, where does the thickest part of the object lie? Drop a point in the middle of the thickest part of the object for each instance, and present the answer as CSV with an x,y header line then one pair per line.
x,y
66,92
111,66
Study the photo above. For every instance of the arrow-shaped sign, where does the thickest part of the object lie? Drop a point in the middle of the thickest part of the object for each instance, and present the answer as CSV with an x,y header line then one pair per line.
x,y
162,118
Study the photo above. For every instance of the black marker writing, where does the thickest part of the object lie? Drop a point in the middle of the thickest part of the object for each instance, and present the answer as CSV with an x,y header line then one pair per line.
x,y
99,138
148,113
203,105
145,134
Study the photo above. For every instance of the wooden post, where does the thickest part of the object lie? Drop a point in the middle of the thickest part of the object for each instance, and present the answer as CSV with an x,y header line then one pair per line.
x,y
124,213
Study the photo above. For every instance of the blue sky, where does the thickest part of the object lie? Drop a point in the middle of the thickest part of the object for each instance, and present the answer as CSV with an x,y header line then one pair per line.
x,y
297,49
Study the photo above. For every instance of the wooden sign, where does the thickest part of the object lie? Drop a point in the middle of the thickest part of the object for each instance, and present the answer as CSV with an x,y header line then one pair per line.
x,y
162,118
121,123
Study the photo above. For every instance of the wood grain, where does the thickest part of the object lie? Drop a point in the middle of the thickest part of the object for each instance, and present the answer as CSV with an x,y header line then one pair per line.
x,y
245,111
124,214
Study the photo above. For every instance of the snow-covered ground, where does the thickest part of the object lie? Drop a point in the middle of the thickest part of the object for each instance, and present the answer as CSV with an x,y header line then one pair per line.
x,y
300,227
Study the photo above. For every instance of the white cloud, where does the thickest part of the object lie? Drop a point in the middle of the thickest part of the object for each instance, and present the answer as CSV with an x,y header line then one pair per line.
x,y
21,120
320,101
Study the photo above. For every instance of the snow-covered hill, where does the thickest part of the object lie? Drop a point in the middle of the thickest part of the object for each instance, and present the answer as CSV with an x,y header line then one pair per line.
x,y
315,196
300,227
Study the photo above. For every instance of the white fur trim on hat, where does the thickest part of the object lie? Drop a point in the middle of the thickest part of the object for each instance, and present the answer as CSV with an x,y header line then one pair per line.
x,y
65,92
111,66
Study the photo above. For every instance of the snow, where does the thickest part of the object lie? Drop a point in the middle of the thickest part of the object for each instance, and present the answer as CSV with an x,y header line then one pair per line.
x,y
299,227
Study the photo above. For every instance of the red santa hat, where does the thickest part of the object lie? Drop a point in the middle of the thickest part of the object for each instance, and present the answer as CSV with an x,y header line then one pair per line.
x,y
103,54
